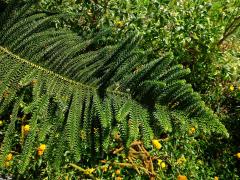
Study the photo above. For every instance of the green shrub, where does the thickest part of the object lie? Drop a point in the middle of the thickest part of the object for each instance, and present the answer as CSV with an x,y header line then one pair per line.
x,y
76,95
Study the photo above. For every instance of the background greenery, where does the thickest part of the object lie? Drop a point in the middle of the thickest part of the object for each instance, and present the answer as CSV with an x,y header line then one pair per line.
x,y
204,36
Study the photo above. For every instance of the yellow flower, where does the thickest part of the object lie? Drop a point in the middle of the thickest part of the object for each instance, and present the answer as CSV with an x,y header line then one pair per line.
x,y
26,128
163,165
113,175
119,24
9,157
216,178
192,131
156,144
118,171
239,88
181,160
119,178
231,88
104,168
42,147
159,161
40,153
238,155
1,123
182,177
89,171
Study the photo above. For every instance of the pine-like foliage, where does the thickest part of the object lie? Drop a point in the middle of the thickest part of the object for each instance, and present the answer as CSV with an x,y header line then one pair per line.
x,y
75,96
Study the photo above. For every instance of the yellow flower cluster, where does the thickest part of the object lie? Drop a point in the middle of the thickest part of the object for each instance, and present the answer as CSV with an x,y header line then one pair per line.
x,y
181,160
231,88
41,149
182,177
8,159
118,171
26,129
156,144
192,131
238,155
118,178
162,164
1,123
119,24
104,168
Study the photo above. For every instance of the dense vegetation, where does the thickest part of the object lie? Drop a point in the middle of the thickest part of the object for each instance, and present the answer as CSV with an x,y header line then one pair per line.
x,y
104,89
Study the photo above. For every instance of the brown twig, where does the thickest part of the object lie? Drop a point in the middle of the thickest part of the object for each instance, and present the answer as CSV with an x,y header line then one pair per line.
x,y
230,29
81,169
134,166
118,150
